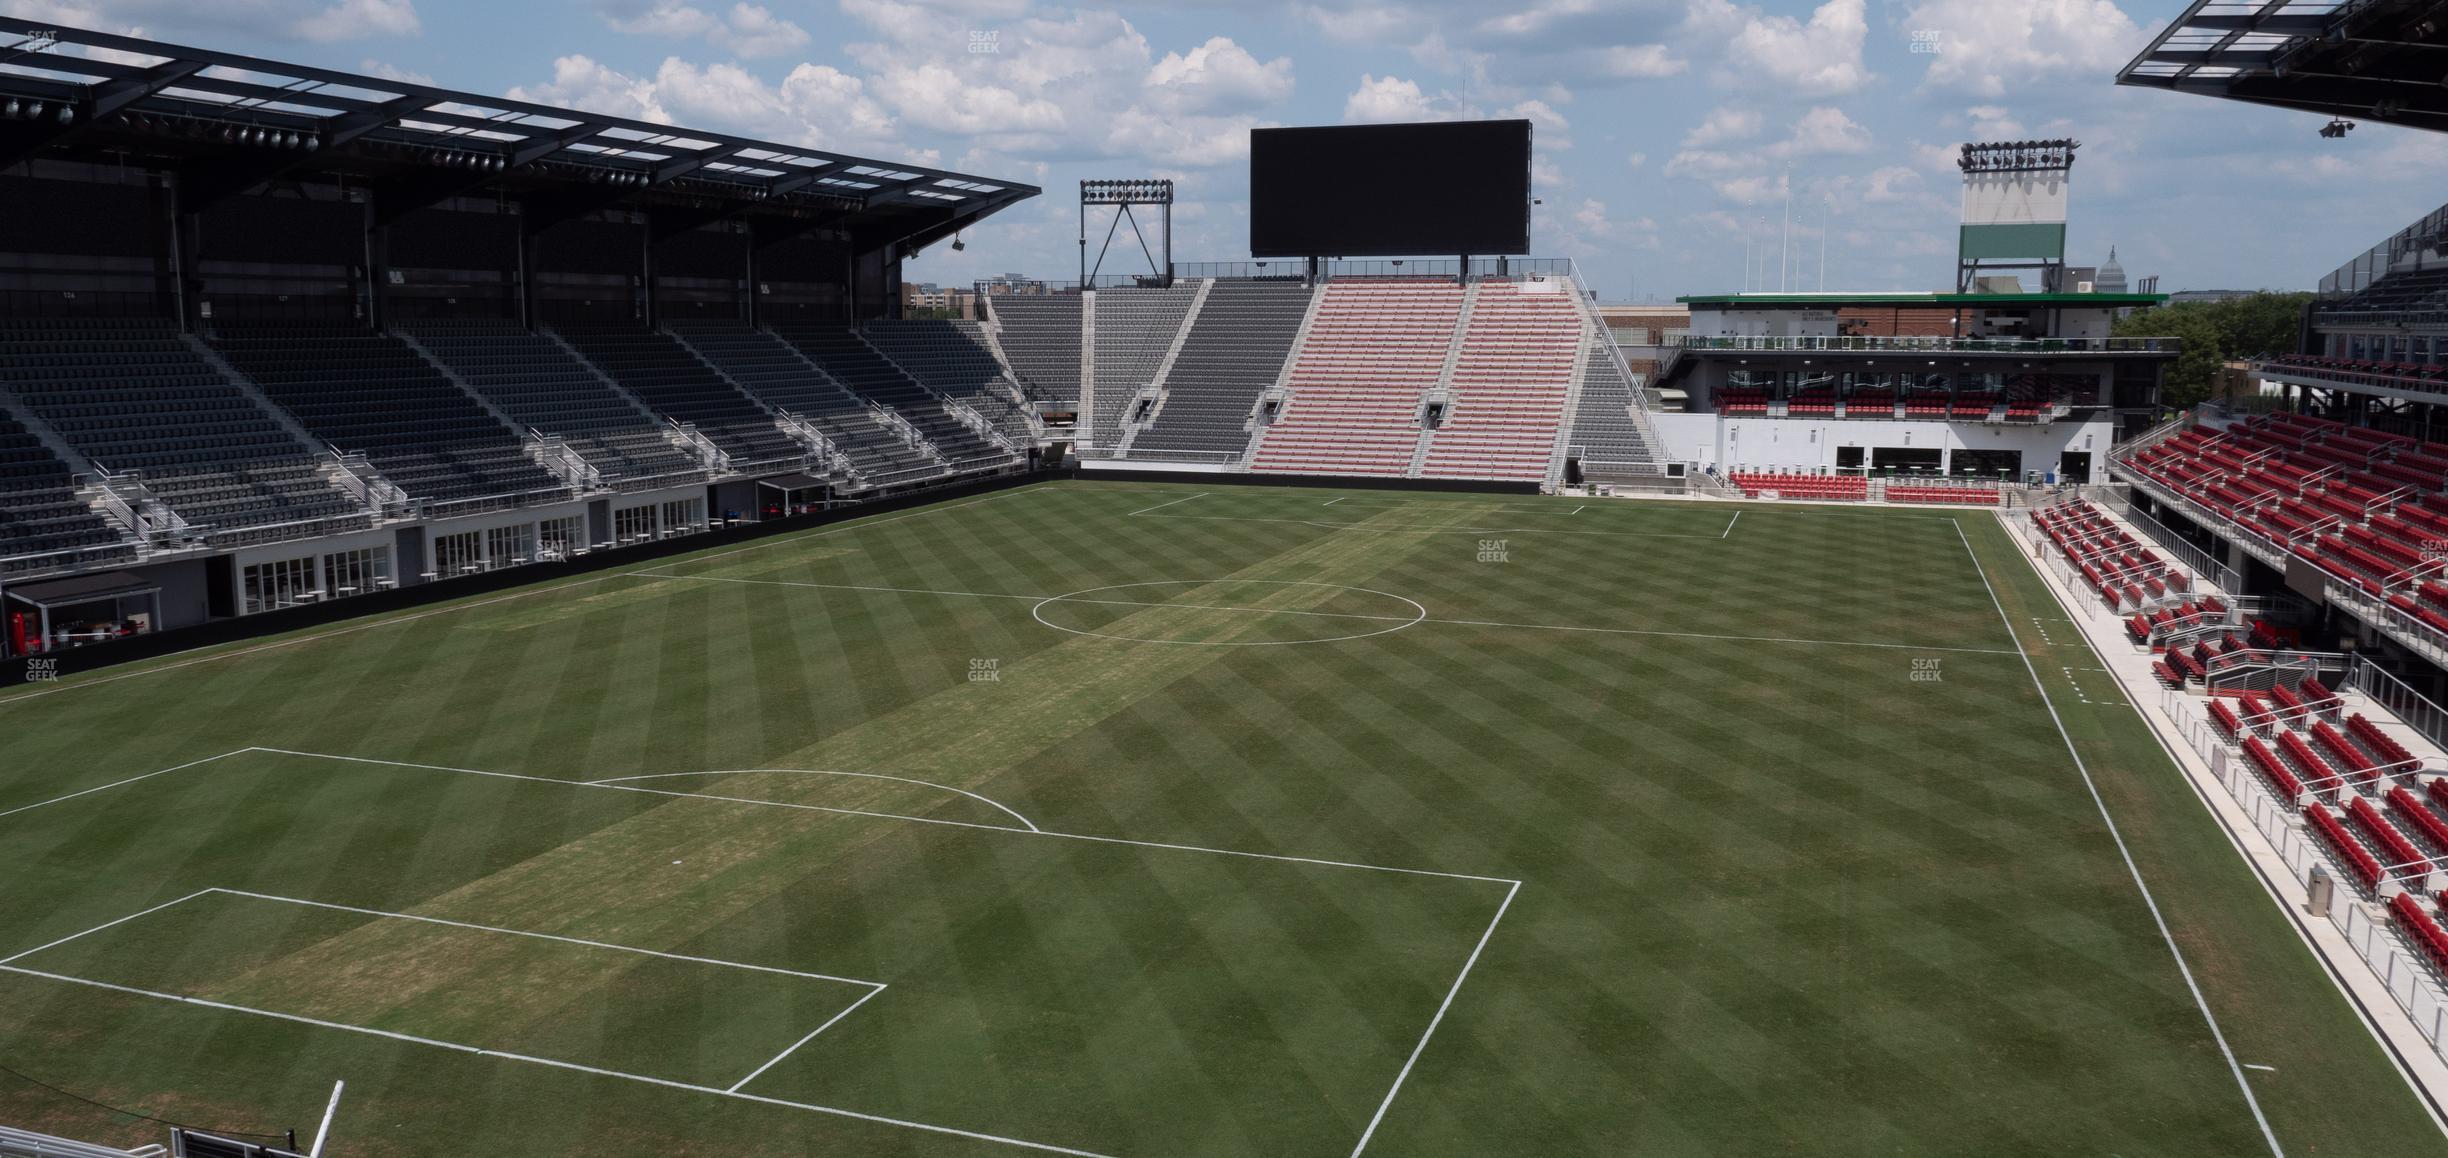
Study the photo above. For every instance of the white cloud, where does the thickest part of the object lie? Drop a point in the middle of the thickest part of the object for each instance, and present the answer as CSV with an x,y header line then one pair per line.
x,y
582,82
1820,57
358,19
1723,124
389,71
1636,160
1985,47
1825,130
1639,61
747,30
815,105
1218,76
1383,99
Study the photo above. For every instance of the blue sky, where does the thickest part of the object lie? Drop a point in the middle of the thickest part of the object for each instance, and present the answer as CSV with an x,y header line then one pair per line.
x,y
1670,132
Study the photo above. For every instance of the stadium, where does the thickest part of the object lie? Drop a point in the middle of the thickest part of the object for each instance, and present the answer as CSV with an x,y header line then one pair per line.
x,y
527,630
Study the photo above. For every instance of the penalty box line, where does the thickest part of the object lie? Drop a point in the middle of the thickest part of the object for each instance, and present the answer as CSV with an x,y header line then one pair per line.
x,y
1512,889
872,987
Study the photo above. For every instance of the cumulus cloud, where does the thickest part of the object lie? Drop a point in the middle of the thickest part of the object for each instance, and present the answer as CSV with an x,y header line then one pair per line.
x,y
1986,47
1217,76
1385,99
747,30
1818,57
1824,130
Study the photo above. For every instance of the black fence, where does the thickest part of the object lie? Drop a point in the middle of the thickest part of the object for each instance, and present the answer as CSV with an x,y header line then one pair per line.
x,y
16,671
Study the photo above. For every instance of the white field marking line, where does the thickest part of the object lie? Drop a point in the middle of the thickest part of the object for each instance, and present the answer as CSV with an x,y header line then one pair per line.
x,y
117,783
2329,965
1419,529
2235,1067
1433,1022
1327,503
893,816
1581,508
1354,614
1513,887
1032,825
2264,1069
549,937
1730,525
794,1046
323,1131
776,541
456,1047
106,925
1038,613
1176,502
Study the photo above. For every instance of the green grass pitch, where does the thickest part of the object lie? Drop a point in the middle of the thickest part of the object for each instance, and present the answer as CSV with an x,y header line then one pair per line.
x,y
1168,820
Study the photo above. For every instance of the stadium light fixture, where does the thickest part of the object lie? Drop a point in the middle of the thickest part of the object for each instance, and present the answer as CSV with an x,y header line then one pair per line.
x,y
2337,128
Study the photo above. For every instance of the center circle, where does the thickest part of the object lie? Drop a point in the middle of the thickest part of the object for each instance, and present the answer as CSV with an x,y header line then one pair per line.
x,y
1349,606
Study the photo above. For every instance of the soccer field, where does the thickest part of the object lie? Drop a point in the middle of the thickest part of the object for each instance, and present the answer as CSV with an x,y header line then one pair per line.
x,y
1144,820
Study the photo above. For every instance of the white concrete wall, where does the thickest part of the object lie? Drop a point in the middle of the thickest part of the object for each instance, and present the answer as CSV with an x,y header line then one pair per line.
x,y
1811,443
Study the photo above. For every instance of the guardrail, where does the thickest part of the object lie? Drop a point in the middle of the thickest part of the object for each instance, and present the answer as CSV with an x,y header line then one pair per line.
x,y
1878,344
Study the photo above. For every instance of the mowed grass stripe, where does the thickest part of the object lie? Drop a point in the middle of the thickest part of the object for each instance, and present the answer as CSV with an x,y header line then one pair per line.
x,y
1778,899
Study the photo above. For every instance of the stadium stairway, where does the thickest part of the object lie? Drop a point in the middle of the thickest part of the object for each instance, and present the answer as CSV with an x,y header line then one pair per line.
x,y
167,426
874,450
668,376
1130,332
373,394
1233,352
849,360
1374,352
1040,337
44,525
537,384
954,360
1511,384
2302,774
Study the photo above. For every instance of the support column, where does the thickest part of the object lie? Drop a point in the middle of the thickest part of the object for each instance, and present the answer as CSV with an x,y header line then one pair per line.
x,y
529,250
646,271
377,266
186,250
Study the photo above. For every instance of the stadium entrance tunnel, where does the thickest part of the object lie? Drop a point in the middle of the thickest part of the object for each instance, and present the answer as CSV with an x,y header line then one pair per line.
x,y
1229,612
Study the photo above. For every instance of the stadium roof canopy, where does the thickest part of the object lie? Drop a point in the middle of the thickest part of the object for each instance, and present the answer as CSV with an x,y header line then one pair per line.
x,y
2379,60
1840,299
229,123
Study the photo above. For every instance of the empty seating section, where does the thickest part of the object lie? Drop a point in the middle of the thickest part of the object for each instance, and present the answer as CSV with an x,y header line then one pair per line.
x,y
134,396
1972,496
538,384
1134,330
2127,576
2422,928
41,518
784,379
1604,432
856,365
1040,336
1742,400
1373,352
664,374
1234,353
1511,381
371,393
952,359
1843,488
2362,506
2357,860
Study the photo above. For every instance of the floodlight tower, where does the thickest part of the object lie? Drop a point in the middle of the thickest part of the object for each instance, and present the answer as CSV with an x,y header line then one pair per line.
x,y
2014,210
1122,195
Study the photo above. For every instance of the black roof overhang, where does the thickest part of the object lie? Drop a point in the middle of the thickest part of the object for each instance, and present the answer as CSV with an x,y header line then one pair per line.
x,y
228,123
2379,60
